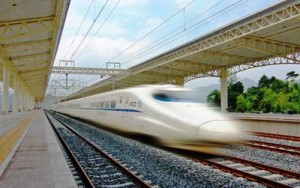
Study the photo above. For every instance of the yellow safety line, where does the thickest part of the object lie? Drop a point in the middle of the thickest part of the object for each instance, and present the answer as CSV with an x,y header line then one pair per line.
x,y
10,139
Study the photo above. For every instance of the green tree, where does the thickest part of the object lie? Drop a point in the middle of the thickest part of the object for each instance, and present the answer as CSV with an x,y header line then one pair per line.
x,y
214,98
269,101
271,95
264,81
234,90
243,104
291,75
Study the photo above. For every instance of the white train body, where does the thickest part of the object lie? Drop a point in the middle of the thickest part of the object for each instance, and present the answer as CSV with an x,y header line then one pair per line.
x,y
169,114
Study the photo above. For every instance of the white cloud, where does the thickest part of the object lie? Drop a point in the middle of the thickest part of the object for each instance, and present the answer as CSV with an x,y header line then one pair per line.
x,y
112,29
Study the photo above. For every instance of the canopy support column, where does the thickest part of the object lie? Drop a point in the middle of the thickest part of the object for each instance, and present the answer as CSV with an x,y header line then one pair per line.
x,y
224,89
5,91
16,95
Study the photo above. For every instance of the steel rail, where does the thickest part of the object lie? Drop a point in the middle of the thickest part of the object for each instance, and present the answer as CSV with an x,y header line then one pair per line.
x,y
243,174
79,168
135,178
249,176
292,150
277,136
286,173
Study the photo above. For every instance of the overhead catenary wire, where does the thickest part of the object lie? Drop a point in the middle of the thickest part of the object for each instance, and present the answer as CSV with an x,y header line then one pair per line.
x,y
111,59
87,45
99,28
72,43
186,30
178,28
90,28
74,39
146,33
183,32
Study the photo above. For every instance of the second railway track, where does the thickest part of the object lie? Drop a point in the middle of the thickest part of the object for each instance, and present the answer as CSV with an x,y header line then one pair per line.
x,y
266,175
292,150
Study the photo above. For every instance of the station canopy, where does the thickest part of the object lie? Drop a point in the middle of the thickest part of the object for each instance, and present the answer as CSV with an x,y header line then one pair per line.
x,y
30,32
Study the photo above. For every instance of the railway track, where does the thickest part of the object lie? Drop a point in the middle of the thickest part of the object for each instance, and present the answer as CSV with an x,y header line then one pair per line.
x,y
276,136
266,175
100,169
292,150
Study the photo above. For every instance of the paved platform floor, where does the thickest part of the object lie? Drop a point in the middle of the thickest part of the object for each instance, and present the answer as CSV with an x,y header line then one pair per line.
x,y
38,161
10,121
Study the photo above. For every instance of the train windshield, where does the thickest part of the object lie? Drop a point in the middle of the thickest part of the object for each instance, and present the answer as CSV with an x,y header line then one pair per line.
x,y
177,96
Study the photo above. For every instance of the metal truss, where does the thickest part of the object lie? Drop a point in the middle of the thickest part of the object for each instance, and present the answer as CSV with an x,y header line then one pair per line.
x,y
22,48
193,66
89,71
34,72
212,73
274,61
67,84
220,56
267,46
23,28
171,68
36,65
154,75
289,59
228,34
30,56
171,71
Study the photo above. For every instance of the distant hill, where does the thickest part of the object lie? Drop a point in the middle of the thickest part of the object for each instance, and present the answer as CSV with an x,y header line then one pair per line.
x,y
206,90
248,83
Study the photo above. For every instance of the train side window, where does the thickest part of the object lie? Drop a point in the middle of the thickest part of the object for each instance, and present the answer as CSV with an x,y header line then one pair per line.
x,y
113,104
98,105
162,97
102,104
107,104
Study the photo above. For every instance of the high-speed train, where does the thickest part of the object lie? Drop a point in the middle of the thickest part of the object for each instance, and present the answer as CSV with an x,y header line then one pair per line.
x,y
171,115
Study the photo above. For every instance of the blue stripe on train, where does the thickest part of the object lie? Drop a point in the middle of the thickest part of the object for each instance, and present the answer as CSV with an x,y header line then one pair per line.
x,y
112,109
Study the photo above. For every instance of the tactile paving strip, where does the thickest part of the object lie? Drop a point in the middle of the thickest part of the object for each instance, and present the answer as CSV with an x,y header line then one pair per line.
x,y
10,139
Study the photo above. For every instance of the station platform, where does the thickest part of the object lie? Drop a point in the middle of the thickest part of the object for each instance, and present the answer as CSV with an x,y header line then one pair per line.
x,y
30,155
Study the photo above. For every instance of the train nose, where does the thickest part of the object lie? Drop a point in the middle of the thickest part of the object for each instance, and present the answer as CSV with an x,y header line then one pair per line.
x,y
219,130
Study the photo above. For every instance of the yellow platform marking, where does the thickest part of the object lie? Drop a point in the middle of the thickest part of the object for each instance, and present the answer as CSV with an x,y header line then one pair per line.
x,y
10,139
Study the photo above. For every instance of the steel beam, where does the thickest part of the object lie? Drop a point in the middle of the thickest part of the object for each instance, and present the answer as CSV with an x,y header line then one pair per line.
x,y
26,27
27,43
292,59
29,56
222,57
267,46
89,71
212,73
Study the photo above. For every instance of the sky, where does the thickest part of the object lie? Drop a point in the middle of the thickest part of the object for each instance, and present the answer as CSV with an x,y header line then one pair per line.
x,y
132,31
